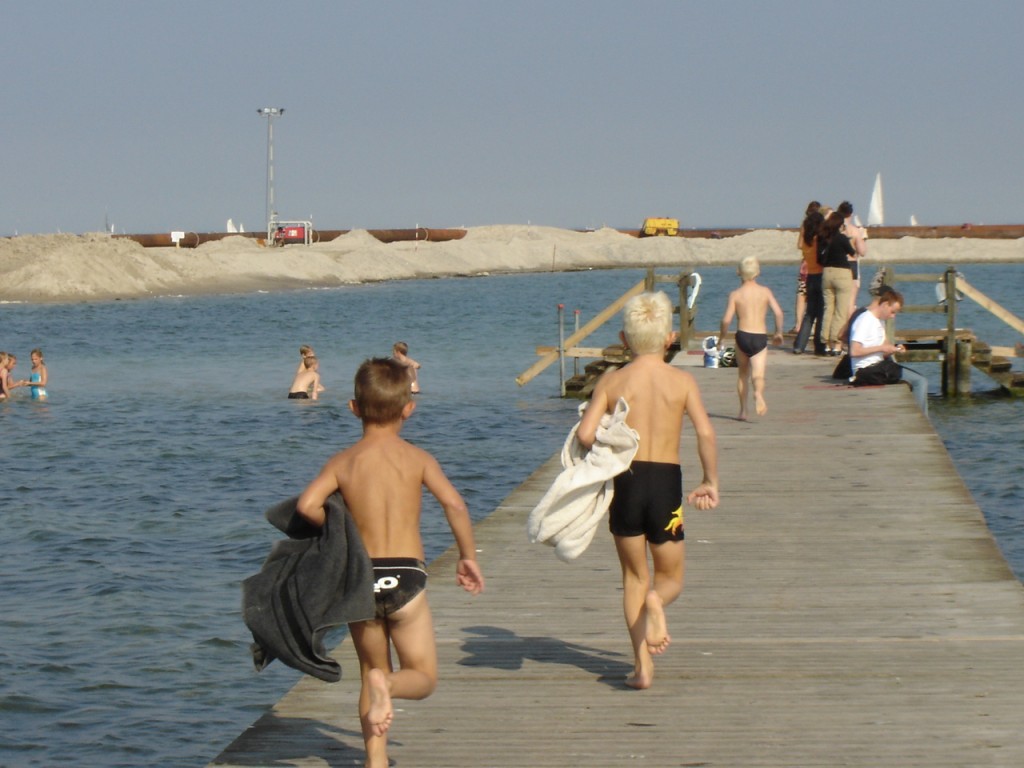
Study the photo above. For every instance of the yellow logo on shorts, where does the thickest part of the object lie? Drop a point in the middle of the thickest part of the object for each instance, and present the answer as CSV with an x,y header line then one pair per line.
x,y
675,525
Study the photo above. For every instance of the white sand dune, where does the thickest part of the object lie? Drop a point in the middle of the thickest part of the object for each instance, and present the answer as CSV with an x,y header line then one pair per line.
x,y
96,267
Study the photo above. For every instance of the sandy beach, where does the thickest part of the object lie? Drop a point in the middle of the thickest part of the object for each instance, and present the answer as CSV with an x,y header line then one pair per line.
x,y
96,267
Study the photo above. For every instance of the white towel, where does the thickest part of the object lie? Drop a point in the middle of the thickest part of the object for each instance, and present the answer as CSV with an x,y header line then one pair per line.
x,y
566,518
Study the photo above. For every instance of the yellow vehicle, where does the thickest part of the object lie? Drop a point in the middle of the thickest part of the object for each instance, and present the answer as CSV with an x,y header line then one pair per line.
x,y
654,227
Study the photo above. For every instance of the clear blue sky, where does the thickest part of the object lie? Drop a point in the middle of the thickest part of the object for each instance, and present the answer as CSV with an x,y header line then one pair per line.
x,y
570,114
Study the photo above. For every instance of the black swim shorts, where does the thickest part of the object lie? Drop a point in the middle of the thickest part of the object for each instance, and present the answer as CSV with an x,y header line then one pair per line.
x,y
396,581
648,501
298,396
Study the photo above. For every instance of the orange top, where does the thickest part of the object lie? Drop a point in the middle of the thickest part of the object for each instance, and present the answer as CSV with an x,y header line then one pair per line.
x,y
810,254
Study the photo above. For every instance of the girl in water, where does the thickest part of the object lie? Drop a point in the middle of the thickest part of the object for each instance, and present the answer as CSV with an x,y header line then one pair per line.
x,y
7,363
37,379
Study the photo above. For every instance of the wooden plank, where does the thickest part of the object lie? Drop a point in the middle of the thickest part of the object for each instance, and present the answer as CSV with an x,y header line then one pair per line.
x,y
844,605
599,319
574,351
1007,351
996,309
931,334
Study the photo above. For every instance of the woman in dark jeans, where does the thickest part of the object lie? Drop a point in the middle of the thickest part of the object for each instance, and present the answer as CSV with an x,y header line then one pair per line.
x,y
815,306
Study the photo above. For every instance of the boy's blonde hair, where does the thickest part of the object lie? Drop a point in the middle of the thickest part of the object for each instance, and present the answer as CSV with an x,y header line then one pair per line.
x,y
305,350
647,322
400,348
382,390
749,268
309,361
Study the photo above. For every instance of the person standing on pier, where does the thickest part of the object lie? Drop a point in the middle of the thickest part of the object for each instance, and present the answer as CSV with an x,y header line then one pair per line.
x,y
838,257
381,478
859,240
646,511
749,304
814,308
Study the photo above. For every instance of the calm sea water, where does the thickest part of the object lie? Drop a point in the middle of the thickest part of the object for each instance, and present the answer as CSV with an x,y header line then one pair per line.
x,y
132,500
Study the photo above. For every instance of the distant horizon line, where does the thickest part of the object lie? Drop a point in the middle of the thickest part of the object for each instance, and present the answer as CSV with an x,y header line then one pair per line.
x,y
967,226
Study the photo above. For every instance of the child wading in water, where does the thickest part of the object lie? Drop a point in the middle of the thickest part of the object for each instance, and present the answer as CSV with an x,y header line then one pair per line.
x,y
306,384
400,352
39,376
381,478
306,351
646,510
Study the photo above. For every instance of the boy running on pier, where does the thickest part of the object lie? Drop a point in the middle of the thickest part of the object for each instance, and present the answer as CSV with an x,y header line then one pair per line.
x,y
750,303
381,478
646,510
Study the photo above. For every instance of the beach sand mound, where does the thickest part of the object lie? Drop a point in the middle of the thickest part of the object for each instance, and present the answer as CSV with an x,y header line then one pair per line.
x,y
97,267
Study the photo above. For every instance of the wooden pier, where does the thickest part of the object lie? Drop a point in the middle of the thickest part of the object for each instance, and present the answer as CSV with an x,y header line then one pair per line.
x,y
844,605
958,349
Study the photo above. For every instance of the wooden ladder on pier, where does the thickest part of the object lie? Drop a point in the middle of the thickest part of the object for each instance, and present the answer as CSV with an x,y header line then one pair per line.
x,y
998,368
959,349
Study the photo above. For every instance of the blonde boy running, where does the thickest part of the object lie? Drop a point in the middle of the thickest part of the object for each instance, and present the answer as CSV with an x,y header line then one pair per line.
x,y
646,510
381,478
749,304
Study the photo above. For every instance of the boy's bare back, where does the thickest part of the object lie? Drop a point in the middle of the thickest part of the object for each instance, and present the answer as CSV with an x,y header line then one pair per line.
x,y
658,395
381,479
307,381
750,303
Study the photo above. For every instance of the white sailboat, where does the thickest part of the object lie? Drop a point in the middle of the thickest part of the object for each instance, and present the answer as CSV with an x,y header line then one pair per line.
x,y
876,211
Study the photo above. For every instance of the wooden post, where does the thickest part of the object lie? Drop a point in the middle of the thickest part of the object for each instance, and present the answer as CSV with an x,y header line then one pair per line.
x,y
963,368
681,284
685,316
649,280
575,330
949,376
561,348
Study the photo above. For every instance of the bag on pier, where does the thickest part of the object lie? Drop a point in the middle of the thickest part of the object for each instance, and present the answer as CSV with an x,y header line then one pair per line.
x,y
885,371
843,369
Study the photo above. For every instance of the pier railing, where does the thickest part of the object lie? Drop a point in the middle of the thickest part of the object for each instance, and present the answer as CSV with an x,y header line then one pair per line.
x,y
960,349
688,286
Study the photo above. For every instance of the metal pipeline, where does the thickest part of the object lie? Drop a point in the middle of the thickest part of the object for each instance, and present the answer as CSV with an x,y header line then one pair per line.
x,y
193,239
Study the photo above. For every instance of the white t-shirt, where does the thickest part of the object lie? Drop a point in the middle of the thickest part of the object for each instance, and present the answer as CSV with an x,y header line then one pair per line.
x,y
869,331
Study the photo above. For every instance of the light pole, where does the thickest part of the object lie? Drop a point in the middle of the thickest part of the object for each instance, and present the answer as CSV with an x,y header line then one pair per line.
x,y
270,113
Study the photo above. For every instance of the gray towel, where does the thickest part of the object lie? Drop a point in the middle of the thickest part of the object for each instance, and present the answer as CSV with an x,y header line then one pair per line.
x,y
313,581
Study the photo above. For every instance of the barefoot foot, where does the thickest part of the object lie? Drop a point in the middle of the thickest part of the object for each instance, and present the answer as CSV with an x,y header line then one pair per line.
x,y
657,629
760,405
639,681
380,714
